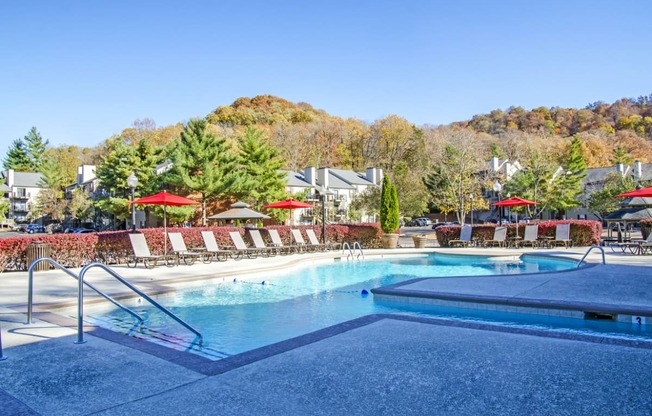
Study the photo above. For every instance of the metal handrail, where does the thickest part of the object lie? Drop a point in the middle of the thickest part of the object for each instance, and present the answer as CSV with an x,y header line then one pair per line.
x,y
2,357
587,253
134,289
357,244
30,289
345,246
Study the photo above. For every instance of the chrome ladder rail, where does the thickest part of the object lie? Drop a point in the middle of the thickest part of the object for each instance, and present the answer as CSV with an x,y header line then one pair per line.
x,y
359,246
134,289
587,253
346,246
30,289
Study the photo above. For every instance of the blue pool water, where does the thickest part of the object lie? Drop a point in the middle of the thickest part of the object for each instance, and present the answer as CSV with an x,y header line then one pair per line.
x,y
245,314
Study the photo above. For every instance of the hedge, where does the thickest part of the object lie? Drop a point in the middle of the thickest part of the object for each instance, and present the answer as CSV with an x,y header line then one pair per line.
x,y
113,247
582,232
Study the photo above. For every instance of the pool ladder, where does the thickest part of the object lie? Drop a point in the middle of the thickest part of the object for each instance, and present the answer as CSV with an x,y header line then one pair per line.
x,y
351,251
80,297
587,253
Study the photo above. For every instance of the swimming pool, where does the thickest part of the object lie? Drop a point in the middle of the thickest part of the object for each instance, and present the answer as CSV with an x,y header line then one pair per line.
x,y
248,313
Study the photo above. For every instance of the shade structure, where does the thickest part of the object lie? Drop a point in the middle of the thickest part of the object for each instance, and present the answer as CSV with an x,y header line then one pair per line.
x,y
642,193
515,202
239,211
290,204
165,198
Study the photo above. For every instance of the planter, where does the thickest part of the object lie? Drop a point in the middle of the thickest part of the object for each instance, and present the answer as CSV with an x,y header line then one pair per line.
x,y
389,240
419,241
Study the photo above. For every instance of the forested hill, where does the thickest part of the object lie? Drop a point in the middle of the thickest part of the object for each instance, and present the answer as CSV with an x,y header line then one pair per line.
x,y
266,110
627,114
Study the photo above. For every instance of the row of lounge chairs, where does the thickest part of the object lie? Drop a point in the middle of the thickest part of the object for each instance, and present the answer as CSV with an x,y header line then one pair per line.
x,y
642,246
181,254
530,238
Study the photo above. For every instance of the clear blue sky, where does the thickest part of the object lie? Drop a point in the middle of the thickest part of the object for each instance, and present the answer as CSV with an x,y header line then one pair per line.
x,y
82,70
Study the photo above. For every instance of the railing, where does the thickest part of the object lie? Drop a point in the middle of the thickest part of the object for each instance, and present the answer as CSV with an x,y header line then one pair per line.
x,y
587,253
30,289
357,244
351,251
2,357
137,291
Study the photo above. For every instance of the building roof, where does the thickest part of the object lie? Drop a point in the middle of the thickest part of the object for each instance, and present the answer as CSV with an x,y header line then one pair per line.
x,y
351,177
296,179
28,180
630,214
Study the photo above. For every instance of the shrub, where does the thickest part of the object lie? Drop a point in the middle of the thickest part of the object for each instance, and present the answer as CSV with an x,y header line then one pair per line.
x,y
646,227
389,210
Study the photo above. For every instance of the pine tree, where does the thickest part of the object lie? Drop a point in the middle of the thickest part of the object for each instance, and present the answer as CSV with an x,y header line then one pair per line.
x,y
571,183
16,157
203,163
260,179
35,148
389,210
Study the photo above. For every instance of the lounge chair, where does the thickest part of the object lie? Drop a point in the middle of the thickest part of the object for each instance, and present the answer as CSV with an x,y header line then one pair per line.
x,y
500,236
241,249
634,246
259,243
531,237
562,236
465,237
142,253
278,243
213,249
183,254
299,242
314,241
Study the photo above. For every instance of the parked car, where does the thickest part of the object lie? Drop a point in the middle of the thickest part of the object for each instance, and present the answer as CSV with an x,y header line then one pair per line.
x,y
35,228
20,228
83,231
424,221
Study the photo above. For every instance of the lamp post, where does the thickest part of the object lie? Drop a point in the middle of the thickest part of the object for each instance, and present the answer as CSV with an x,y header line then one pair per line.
x,y
498,188
132,182
323,217
471,201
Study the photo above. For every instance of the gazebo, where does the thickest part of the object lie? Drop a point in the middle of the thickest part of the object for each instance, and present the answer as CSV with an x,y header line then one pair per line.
x,y
239,211
633,211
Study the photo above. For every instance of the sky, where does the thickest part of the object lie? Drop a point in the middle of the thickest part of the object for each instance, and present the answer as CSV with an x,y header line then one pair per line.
x,y
82,71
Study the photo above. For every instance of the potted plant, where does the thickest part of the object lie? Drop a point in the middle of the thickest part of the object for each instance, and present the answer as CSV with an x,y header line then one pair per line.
x,y
389,214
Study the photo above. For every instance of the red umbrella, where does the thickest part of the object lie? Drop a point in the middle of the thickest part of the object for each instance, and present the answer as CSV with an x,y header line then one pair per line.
x,y
642,193
164,198
515,202
290,204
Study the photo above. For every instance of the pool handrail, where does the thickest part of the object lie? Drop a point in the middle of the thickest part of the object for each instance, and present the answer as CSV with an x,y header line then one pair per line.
x,y
30,288
587,253
347,247
135,290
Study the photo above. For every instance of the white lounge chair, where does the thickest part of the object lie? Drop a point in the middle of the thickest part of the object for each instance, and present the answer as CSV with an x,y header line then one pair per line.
x,y
142,253
241,248
278,243
562,236
213,249
500,236
314,241
465,237
259,243
181,251
299,242
531,237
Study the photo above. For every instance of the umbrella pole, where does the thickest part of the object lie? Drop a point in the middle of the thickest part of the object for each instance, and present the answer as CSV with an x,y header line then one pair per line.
x,y
516,224
165,230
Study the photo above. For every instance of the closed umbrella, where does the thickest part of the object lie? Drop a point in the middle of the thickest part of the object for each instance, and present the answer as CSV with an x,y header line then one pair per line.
x,y
515,202
165,198
290,204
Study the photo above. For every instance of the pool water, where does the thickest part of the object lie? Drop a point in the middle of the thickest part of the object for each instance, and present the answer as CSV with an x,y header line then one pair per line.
x,y
243,314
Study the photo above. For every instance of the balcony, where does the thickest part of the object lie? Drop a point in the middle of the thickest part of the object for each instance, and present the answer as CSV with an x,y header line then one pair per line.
x,y
20,195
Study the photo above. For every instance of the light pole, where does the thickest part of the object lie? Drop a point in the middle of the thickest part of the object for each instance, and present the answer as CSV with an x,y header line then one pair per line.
x,y
471,201
498,188
323,216
132,182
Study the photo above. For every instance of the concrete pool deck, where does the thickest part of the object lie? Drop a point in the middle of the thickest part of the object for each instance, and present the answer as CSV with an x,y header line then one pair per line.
x,y
374,365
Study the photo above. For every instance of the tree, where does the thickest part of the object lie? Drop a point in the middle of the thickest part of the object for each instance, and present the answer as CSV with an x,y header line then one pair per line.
x,y
17,158
35,148
621,155
203,163
260,179
605,201
389,209
412,193
365,202
571,183
79,206
4,208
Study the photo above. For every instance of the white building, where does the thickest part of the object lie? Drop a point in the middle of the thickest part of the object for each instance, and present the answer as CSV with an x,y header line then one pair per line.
x,y
22,189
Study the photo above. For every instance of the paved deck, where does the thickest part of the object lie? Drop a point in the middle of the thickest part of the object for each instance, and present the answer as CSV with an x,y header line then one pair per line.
x,y
370,366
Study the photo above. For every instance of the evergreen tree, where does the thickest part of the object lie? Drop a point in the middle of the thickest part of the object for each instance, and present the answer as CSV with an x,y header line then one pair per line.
x,y
389,209
621,156
203,163
17,157
260,179
35,148
571,183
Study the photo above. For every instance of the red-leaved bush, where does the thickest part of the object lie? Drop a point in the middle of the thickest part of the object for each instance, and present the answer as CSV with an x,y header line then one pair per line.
x,y
582,232
114,247
646,227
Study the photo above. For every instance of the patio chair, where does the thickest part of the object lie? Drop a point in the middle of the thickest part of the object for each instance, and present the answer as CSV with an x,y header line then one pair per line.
x,y
278,243
639,246
259,243
241,249
531,237
299,242
500,236
142,253
213,249
314,241
465,237
562,236
183,254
